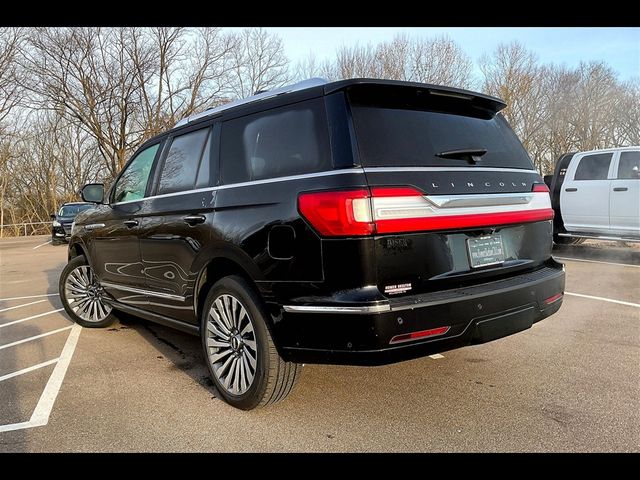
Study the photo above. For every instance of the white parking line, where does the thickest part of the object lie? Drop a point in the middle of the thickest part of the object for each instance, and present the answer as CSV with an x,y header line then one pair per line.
x,y
597,261
23,242
20,306
28,369
25,340
602,299
30,318
436,356
40,415
41,245
29,296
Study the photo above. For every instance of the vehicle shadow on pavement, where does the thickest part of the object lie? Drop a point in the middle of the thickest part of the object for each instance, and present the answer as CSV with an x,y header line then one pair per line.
x,y
602,252
181,349
53,277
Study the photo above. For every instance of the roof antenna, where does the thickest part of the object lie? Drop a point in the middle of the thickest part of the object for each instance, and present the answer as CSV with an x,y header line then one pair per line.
x,y
257,92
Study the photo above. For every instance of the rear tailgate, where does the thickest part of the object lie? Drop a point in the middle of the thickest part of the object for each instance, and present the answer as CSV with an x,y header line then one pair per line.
x,y
452,190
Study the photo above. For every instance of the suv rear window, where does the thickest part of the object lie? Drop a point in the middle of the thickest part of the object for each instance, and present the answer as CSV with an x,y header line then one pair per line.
x,y
283,141
402,136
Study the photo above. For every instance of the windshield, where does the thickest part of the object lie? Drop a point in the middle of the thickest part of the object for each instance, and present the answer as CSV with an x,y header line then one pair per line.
x,y
72,210
407,137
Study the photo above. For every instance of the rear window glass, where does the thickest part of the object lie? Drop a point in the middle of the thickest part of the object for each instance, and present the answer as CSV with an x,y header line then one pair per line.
x,y
283,141
593,167
413,138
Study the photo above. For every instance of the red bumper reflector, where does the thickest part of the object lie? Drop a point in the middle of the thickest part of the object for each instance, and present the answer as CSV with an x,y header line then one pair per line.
x,y
407,337
553,299
462,221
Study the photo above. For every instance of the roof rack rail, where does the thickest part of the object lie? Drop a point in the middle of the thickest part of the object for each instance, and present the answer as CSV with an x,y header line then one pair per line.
x,y
311,82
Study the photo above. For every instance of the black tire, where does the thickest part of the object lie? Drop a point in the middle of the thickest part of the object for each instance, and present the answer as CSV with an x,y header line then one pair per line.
x,y
558,240
273,378
68,303
55,242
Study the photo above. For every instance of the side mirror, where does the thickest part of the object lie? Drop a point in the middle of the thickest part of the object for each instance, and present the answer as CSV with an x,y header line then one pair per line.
x,y
93,192
53,216
636,171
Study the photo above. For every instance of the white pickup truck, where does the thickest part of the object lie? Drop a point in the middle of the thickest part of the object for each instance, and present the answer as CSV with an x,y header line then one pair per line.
x,y
596,194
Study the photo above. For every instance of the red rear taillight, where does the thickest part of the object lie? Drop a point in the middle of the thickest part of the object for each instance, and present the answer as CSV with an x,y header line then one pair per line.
x,y
362,211
340,213
540,187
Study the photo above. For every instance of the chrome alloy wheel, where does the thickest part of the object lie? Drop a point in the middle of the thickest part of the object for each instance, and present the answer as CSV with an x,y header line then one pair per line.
x,y
85,295
231,344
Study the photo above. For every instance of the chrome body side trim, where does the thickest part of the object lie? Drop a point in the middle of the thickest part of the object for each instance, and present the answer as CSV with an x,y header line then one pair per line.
x,y
94,226
327,309
345,171
479,200
447,169
151,293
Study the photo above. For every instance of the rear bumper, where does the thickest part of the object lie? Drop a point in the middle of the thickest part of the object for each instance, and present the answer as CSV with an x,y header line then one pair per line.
x,y
474,314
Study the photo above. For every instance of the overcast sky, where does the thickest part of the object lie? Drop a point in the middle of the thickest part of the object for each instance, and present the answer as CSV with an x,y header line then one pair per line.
x,y
619,47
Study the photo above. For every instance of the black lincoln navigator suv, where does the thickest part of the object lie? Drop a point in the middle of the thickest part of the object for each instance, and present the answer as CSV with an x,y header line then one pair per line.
x,y
357,222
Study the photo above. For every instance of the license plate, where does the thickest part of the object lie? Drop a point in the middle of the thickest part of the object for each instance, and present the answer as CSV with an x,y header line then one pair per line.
x,y
485,251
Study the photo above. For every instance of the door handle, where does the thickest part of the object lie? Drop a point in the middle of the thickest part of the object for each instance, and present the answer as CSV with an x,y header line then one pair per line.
x,y
570,189
620,189
131,223
194,219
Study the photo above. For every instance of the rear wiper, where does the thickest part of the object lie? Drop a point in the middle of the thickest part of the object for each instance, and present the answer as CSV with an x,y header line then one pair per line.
x,y
470,154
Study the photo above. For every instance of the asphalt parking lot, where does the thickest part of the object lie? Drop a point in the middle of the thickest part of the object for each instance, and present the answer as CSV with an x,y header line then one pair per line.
x,y
571,383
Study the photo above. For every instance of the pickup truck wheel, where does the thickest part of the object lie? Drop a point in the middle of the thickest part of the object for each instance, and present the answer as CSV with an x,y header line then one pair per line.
x,y
243,362
82,296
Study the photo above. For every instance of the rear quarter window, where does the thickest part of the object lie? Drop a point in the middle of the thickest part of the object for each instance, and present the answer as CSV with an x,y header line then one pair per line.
x,y
289,140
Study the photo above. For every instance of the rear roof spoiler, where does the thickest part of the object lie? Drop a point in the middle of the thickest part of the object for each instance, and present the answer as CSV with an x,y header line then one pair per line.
x,y
479,100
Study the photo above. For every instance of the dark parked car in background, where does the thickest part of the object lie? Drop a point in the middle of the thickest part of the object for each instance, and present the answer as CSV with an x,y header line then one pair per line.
x,y
62,220
357,222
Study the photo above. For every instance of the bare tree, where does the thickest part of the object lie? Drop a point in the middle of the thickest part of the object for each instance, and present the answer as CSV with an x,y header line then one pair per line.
x,y
430,60
308,67
11,42
260,63
441,61
628,114
512,73
125,85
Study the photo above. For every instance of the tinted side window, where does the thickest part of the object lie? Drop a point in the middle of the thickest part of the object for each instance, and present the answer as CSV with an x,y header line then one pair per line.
x,y
132,184
181,164
593,167
283,141
629,166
